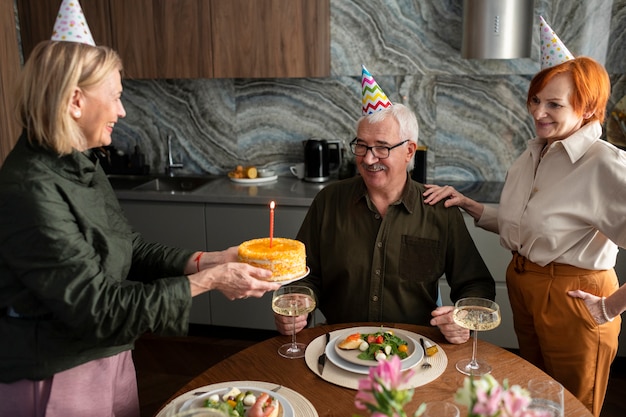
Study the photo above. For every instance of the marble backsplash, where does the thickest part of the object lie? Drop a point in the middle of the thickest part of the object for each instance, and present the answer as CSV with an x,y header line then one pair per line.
x,y
471,113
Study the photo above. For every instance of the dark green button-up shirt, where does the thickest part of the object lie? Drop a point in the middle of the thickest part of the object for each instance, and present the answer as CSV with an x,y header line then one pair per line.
x,y
368,268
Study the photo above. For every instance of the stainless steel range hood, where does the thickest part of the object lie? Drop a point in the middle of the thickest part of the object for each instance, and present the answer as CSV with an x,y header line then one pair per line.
x,y
497,29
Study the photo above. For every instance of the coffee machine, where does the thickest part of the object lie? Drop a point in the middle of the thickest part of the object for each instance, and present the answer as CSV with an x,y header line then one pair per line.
x,y
321,158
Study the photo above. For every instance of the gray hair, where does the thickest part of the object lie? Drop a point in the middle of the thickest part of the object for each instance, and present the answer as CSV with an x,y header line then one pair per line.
x,y
407,121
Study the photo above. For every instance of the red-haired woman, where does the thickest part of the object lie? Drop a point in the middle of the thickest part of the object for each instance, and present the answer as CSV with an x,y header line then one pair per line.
x,y
562,215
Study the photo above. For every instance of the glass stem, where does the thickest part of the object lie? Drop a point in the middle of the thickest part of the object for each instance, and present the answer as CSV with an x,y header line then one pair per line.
x,y
474,364
294,346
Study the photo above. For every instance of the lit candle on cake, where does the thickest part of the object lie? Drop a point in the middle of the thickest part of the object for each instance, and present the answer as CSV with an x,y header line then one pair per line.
x,y
272,205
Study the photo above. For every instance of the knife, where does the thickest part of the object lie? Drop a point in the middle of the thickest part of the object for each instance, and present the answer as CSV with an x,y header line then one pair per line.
x,y
321,361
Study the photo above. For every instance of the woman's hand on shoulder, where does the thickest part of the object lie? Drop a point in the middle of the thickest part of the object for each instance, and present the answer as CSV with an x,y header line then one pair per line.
x,y
451,197
436,193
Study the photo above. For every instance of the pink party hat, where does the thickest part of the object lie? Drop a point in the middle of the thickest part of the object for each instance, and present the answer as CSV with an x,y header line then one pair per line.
x,y
374,98
71,25
553,51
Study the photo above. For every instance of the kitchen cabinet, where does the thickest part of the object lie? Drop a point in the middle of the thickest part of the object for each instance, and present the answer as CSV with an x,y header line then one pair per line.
x,y
163,38
174,224
229,225
9,72
497,259
200,38
271,38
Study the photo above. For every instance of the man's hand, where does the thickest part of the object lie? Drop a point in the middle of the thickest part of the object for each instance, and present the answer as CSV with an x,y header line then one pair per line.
x,y
442,318
284,324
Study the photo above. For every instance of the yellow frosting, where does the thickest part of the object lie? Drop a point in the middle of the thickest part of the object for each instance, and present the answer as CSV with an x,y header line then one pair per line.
x,y
286,258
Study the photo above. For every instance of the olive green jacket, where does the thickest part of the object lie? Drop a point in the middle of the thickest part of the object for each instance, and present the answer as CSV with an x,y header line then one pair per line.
x,y
67,255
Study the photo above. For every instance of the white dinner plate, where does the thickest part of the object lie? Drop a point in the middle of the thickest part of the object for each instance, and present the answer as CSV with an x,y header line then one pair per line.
x,y
308,271
352,354
331,351
253,181
198,401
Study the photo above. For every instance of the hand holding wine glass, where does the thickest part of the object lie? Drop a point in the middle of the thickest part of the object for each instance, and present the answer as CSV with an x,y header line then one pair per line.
x,y
475,314
292,301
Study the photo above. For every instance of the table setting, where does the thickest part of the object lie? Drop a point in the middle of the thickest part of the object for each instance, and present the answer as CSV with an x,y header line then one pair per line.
x,y
293,403
340,370
377,368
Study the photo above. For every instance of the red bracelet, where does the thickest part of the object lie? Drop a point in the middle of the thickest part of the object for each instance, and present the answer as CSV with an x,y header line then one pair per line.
x,y
198,260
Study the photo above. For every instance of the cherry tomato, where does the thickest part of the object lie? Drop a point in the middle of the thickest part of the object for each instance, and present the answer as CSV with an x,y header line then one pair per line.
x,y
380,339
371,339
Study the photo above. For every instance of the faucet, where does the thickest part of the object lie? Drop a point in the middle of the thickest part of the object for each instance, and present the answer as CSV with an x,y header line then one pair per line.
x,y
169,169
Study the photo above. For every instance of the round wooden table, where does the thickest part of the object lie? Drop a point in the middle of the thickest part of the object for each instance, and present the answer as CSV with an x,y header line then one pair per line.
x,y
261,362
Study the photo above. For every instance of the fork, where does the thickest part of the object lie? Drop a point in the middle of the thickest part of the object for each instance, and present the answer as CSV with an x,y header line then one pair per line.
x,y
425,364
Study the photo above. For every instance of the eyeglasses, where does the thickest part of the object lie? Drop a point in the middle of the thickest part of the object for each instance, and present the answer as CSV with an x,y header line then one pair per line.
x,y
380,152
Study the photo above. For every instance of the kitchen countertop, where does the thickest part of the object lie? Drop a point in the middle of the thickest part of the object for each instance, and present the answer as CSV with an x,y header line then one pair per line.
x,y
285,190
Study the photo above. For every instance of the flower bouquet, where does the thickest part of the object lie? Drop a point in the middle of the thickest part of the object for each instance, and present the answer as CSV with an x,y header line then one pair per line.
x,y
381,394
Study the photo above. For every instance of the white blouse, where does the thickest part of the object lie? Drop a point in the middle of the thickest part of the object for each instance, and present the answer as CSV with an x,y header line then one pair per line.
x,y
567,207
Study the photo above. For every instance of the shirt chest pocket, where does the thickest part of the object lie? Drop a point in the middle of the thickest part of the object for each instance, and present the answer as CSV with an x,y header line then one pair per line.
x,y
421,260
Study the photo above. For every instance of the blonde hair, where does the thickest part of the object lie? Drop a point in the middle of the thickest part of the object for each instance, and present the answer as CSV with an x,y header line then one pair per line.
x,y
45,87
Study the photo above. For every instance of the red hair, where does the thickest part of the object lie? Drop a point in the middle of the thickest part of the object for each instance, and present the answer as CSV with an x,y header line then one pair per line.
x,y
592,86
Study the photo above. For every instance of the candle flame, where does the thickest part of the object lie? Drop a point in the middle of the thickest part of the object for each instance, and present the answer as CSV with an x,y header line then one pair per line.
x,y
272,205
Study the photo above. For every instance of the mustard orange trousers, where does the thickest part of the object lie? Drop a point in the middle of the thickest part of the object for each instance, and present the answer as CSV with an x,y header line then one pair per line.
x,y
557,333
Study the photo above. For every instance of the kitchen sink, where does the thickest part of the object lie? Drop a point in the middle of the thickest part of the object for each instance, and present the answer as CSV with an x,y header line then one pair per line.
x,y
157,184
173,184
128,182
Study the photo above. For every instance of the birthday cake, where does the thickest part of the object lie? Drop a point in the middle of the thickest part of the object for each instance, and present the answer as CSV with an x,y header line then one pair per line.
x,y
286,258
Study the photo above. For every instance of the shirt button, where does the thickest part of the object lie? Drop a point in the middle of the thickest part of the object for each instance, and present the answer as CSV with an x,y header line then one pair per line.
x,y
377,216
377,272
379,244
375,298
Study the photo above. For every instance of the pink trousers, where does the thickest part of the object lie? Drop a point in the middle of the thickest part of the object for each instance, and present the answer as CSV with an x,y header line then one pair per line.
x,y
101,388
557,333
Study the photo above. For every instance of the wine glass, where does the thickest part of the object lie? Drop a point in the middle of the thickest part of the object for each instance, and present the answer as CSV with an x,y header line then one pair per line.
x,y
293,300
476,314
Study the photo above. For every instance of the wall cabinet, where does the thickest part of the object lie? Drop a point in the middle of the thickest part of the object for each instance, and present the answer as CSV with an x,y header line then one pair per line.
x,y
163,38
271,38
9,70
200,38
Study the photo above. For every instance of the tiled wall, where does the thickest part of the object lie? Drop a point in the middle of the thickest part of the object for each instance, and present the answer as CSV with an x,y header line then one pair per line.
x,y
472,113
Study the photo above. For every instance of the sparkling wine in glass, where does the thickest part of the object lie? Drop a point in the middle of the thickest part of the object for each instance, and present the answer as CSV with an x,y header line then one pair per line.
x,y
294,300
475,314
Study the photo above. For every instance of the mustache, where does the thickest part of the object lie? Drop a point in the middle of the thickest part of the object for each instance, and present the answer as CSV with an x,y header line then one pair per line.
x,y
373,167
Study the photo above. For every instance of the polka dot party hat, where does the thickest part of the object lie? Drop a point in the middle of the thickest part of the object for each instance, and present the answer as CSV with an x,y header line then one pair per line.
x,y
374,98
71,25
553,51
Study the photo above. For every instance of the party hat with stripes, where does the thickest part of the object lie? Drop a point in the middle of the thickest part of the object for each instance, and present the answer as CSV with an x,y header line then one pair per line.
x,y
374,98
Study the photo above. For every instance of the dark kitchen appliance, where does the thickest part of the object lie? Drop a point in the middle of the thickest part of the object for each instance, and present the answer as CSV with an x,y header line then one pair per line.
x,y
316,160
419,169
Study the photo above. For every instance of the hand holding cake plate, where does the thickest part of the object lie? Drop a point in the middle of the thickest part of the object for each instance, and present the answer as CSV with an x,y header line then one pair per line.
x,y
298,278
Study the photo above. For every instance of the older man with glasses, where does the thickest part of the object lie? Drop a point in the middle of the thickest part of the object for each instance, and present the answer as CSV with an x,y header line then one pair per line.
x,y
375,250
